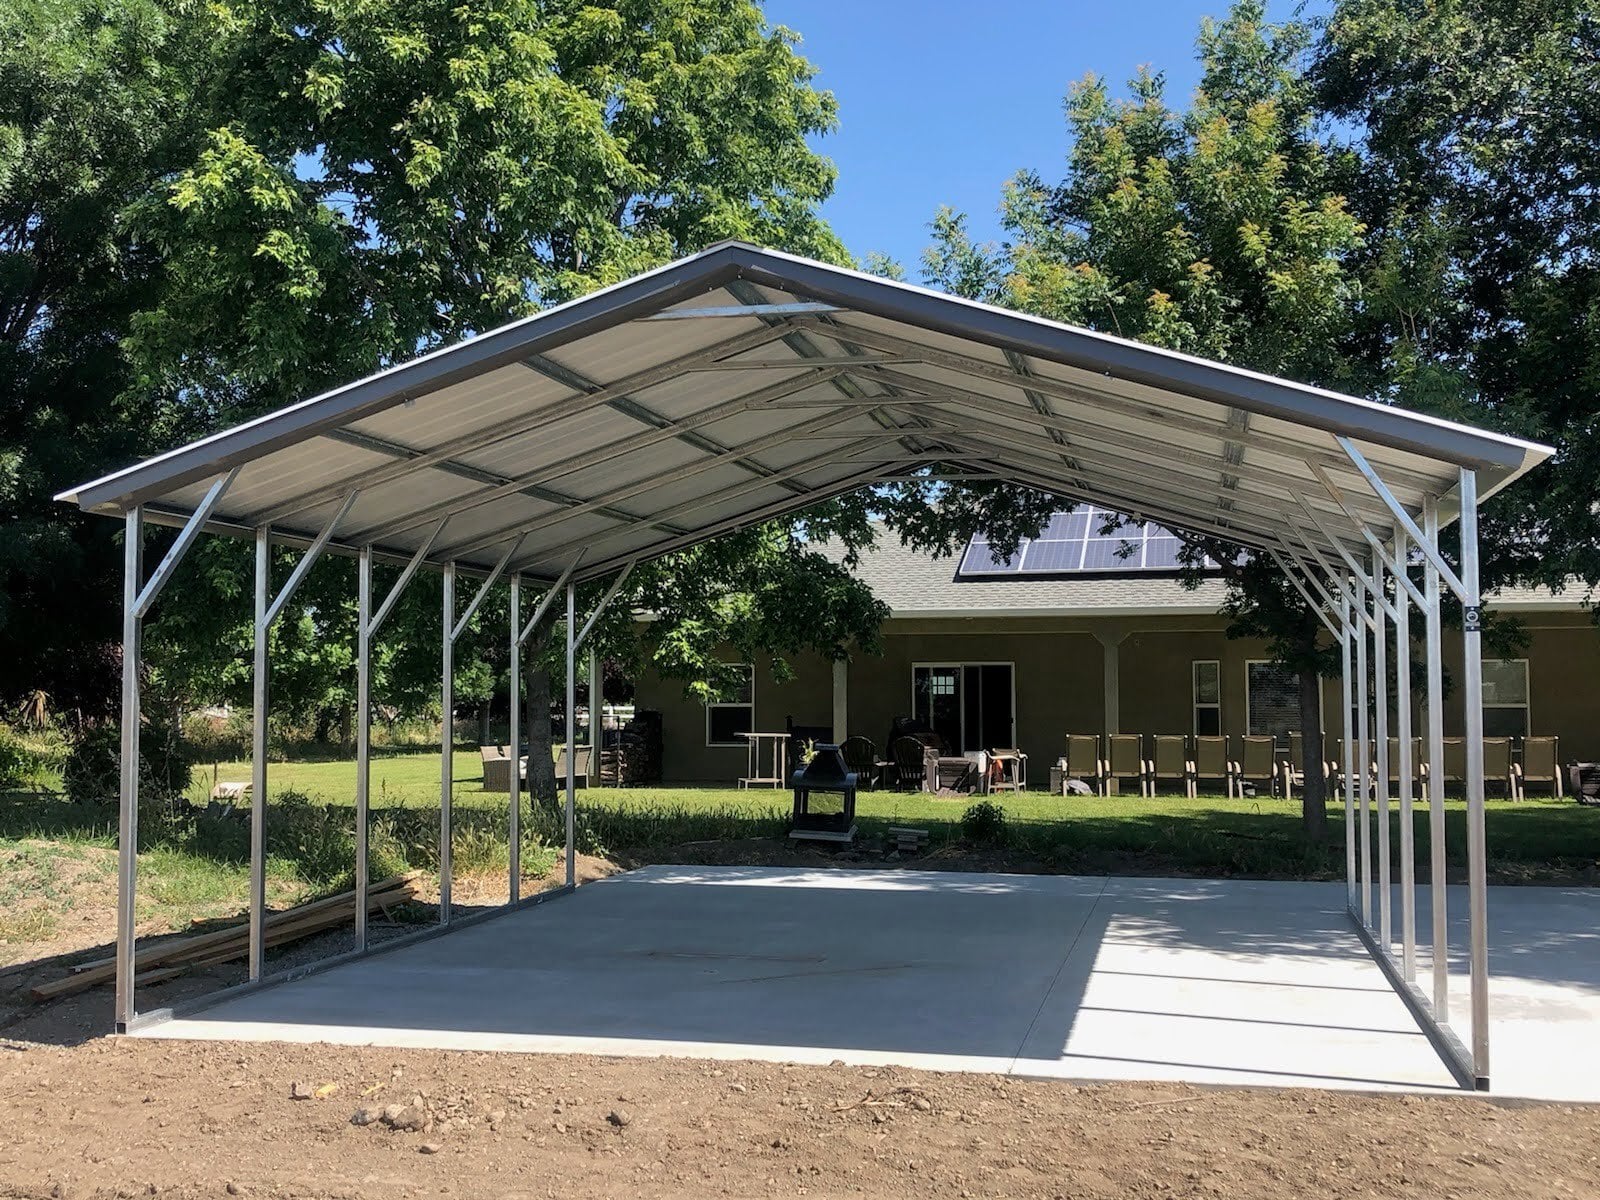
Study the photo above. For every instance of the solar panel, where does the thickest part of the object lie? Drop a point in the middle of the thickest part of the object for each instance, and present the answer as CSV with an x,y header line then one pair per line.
x,y
1088,539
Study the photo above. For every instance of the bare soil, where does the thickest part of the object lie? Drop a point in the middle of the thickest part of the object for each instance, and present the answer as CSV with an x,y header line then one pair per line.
x,y
123,1117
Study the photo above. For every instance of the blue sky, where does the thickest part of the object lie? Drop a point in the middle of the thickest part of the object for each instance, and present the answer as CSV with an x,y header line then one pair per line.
x,y
941,101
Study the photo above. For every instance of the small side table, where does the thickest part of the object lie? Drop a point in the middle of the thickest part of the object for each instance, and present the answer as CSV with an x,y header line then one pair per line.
x,y
770,748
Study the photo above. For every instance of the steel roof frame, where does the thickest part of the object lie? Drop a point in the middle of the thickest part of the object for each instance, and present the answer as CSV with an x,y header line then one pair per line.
x,y
1011,420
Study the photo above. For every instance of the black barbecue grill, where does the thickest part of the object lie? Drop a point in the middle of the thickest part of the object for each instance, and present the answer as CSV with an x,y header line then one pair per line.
x,y
826,774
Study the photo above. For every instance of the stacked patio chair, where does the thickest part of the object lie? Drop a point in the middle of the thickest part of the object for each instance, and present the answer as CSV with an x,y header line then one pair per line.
x,y
1210,764
1333,758
1256,766
861,756
1541,764
909,770
1084,761
1169,762
1010,770
1125,760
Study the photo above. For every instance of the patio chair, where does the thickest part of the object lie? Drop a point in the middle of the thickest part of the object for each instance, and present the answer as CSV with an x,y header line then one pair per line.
x,y
1496,763
1009,770
1292,765
1394,766
1541,764
1125,760
1210,764
1333,758
1169,761
861,756
1084,761
909,770
1256,765
580,764
496,768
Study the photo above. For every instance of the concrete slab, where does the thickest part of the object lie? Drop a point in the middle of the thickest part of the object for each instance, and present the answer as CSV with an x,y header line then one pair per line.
x,y
1090,978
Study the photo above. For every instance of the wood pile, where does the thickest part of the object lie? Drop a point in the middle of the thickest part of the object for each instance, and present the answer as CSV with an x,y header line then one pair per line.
x,y
908,841
169,959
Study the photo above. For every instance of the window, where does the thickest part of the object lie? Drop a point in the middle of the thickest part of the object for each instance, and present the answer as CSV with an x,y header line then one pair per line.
x,y
726,719
1505,697
1272,699
1207,697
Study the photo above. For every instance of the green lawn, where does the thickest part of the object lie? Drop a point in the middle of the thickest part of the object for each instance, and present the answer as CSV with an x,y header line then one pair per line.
x,y
1537,839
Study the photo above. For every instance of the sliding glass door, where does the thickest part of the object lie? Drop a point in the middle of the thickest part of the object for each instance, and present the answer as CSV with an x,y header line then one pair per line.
x,y
970,705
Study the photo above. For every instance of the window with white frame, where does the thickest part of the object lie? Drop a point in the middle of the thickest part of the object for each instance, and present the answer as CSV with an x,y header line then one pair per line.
x,y
1505,697
735,713
1207,688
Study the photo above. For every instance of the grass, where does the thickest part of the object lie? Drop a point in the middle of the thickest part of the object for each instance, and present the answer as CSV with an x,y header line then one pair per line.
x,y
1538,839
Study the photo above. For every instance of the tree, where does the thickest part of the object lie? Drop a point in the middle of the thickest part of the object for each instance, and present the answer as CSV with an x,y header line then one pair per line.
x,y
1217,231
1477,125
92,108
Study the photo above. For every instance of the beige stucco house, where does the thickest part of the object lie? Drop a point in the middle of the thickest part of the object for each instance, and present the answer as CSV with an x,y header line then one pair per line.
x,y
995,659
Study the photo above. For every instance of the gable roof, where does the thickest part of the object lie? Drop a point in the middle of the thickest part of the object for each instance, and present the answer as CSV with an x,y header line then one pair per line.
x,y
740,384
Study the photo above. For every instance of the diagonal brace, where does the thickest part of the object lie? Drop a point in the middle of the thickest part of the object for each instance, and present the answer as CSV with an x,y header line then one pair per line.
x,y
1400,514
186,538
308,560
393,597
549,599
483,589
605,600
1320,610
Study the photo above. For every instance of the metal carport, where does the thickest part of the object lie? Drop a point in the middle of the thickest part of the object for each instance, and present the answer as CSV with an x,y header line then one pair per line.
x,y
741,384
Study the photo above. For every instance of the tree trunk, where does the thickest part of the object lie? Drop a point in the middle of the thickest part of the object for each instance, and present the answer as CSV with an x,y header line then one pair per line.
x,y
485,715
1313,795
541,762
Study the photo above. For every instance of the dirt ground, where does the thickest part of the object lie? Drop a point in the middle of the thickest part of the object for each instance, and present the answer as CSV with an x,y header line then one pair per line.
x,y
83,1115
134,1118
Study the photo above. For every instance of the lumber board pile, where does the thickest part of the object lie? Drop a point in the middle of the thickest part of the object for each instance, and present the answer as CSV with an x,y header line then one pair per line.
x,y
169,959
908,841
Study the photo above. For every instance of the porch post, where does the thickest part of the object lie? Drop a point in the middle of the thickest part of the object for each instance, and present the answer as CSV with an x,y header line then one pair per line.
x,y
596,703
1472,689
128,798
1110,644
841,699
1436,823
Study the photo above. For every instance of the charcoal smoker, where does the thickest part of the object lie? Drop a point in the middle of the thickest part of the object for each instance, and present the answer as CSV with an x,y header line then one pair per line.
x,y
826,773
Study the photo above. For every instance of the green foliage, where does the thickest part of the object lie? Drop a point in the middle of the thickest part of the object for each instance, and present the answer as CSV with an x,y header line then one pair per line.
x,y
31,761
1477,131
92,772
984,823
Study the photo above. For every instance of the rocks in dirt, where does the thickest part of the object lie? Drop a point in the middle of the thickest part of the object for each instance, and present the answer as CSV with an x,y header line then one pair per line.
x,y
301,1090
921,1103
236,1189
408,1118
366,1116
429,1148
737,1087
619,1118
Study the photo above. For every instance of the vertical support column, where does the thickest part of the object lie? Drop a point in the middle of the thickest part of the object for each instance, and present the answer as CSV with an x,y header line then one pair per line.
x,y
841,700
363,733
1362,753
1436,823
1407,767
1380,709
596,704
1347,737
1110,644
128,787
514,737
447,704
1477,867
572,742
258,760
